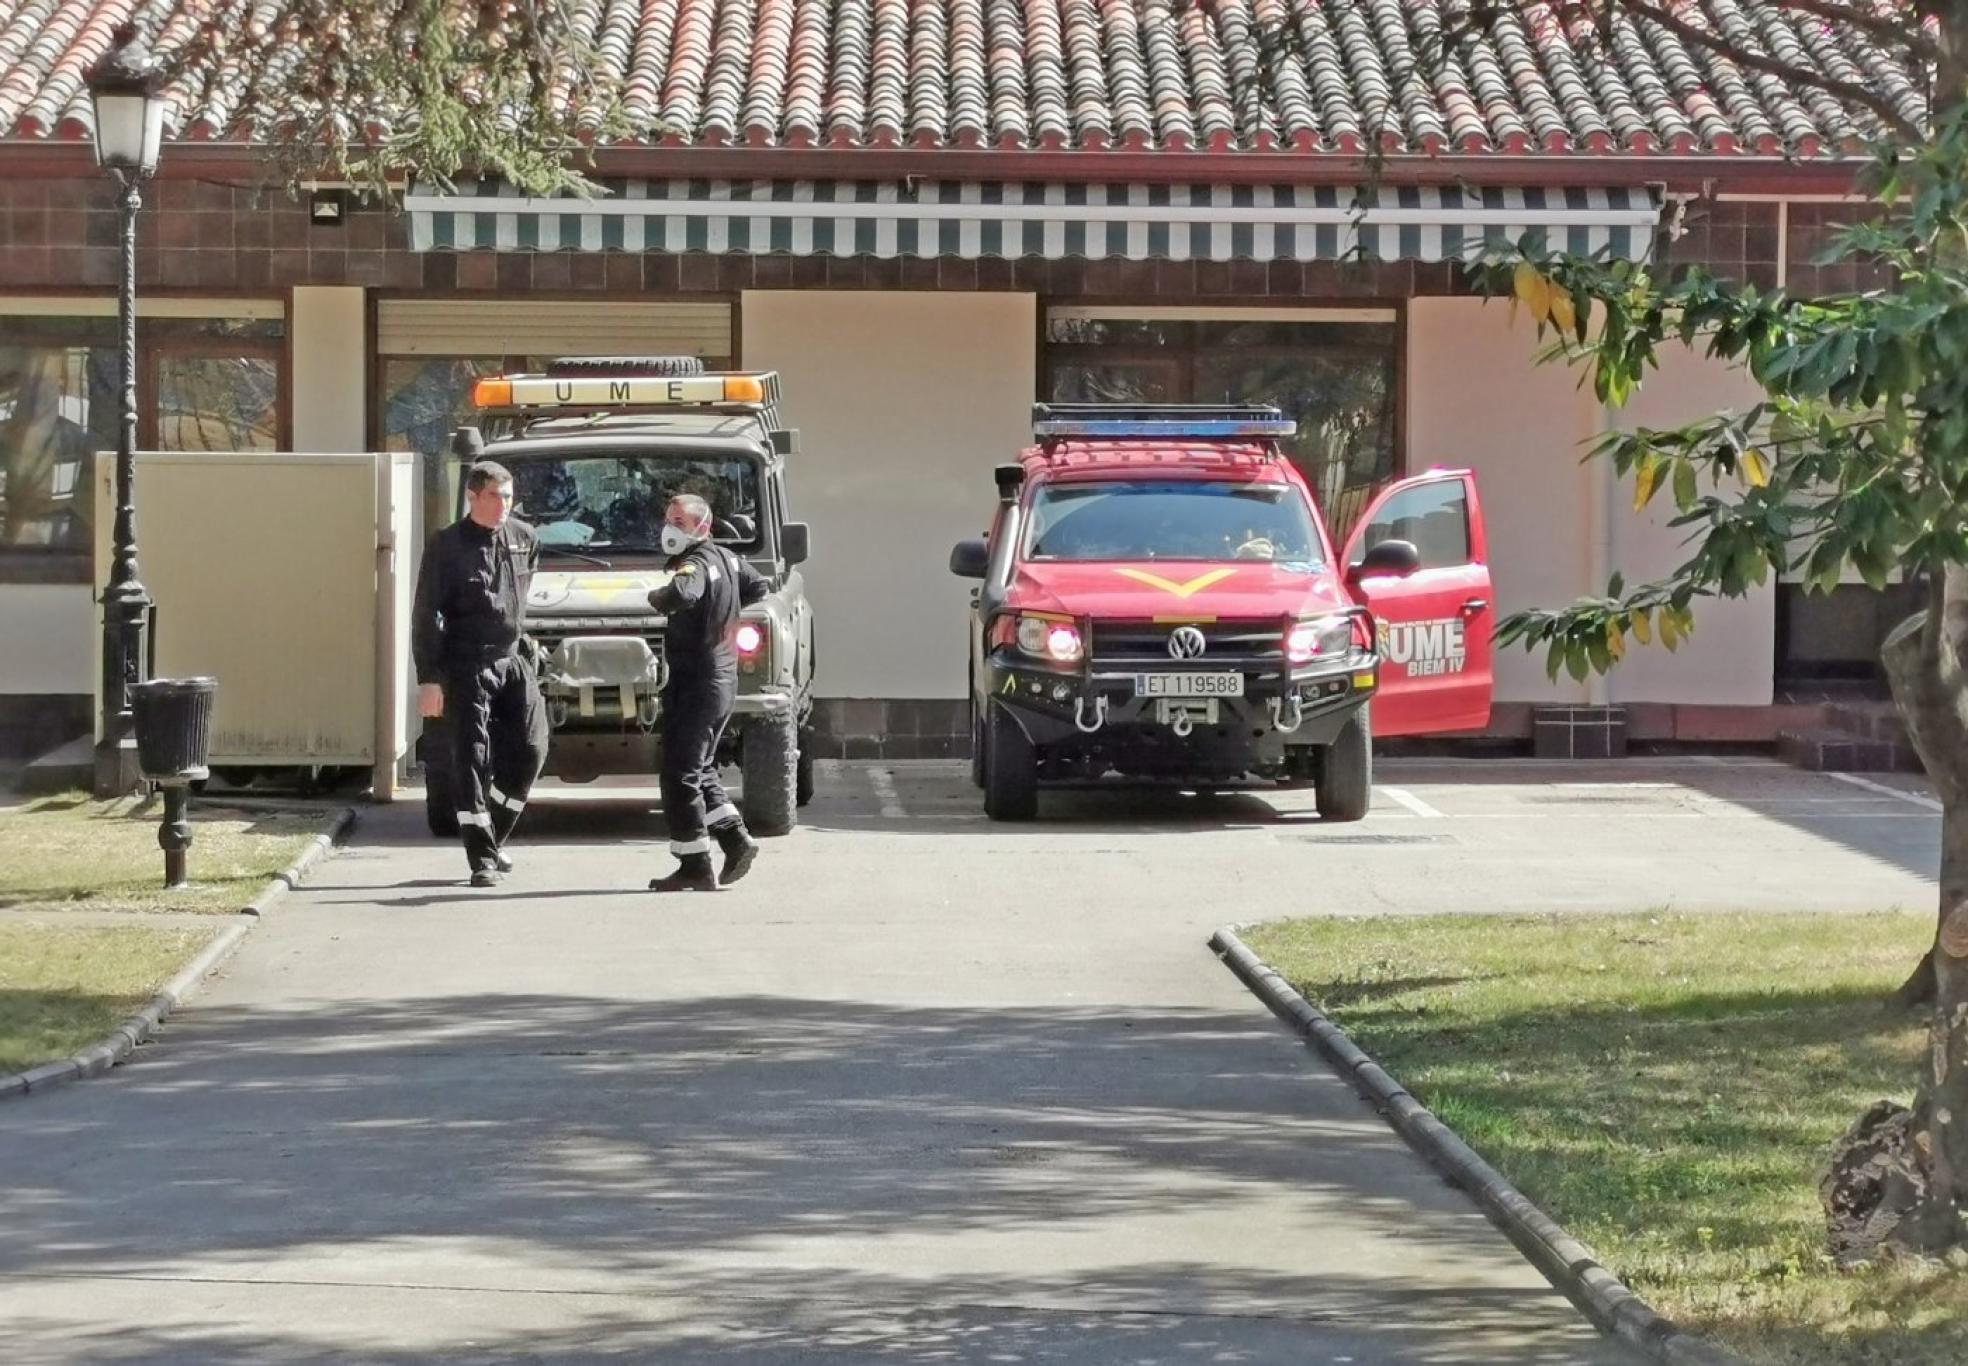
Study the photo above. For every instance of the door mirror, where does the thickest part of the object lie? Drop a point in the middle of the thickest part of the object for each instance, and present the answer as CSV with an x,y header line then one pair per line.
x,y
793,542
970,559
1389,559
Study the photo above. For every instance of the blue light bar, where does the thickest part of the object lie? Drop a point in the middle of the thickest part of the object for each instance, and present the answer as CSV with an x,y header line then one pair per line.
x,y
1178,420
1078,427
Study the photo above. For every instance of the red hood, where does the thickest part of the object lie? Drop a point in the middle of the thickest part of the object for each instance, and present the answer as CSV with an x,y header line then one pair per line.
x,y
1144,590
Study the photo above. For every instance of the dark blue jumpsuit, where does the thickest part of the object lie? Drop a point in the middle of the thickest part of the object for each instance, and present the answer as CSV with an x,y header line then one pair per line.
x,y
465,630
701,601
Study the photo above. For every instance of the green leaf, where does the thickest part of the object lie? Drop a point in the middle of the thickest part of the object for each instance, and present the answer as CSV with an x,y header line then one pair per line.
x,y
1575,661
1685,491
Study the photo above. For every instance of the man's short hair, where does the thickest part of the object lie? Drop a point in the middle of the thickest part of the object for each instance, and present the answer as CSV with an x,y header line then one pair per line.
x,y
690,512
485,474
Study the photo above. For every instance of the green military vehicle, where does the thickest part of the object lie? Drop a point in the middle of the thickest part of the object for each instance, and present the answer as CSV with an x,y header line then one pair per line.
x,y
597,447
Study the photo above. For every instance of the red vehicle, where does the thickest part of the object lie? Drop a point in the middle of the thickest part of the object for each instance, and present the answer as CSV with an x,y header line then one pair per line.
x,y
1161,600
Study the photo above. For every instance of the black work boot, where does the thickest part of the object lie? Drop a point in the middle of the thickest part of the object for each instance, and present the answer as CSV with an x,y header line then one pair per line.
x,y
485,877
740,849
693,874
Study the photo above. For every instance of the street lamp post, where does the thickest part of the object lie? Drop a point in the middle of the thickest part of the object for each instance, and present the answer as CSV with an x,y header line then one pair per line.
x,y
129,118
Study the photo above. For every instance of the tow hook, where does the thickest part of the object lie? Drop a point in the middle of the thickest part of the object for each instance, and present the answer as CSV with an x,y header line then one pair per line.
x,y
1278,714
1099,715
1181,724
647,711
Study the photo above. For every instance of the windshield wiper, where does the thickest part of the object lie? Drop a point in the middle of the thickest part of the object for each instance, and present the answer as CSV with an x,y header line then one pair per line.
x,y
546,549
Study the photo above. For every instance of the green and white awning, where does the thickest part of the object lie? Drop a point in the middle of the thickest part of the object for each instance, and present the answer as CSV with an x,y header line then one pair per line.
x,y
1010,219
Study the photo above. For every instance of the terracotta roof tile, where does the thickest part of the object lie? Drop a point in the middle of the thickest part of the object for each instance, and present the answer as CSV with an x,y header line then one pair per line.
x,y
1087,74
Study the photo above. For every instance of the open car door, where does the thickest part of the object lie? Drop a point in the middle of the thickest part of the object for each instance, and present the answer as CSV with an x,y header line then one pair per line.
x,y
1436,673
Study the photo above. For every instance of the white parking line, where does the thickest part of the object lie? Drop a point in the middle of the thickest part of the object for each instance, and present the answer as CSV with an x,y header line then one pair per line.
x,y
891,802
1403,798
1869,785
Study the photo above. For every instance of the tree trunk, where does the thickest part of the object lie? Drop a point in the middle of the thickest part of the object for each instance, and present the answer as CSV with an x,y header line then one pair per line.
x,y
1901,1179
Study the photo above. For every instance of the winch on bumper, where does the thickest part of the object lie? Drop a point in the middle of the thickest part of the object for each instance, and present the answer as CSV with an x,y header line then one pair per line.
x,y
603,696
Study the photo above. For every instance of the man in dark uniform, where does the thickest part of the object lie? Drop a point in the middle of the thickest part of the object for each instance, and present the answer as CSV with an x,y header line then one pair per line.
x,y
466,633
708,584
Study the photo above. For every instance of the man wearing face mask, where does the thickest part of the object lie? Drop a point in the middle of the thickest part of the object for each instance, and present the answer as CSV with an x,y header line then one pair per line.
x,y
465,633
708,584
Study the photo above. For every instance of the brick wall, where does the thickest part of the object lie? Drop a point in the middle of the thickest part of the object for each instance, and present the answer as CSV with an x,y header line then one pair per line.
x,y
205,235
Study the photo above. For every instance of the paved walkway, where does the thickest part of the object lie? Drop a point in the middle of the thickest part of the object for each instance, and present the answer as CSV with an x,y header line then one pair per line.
x,y
922,1089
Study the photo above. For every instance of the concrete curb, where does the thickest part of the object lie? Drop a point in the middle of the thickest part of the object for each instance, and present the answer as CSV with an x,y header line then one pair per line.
x,y
291,876
1564,1261
106,1053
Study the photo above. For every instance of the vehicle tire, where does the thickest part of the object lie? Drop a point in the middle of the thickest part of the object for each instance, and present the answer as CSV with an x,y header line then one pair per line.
x,y
976,748
769,762
803,770
440,802
658,367
1011,770
1345,786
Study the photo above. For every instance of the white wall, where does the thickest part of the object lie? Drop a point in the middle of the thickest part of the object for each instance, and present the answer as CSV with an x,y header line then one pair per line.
x,y
331,369
47,638
904,402
1559,528
1476,400
1731,660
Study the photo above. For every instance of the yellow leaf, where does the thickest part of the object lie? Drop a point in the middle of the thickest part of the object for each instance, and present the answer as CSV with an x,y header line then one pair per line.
x,y
1563,316
1643,628
1615,641
1755,468
1645,480
1532,289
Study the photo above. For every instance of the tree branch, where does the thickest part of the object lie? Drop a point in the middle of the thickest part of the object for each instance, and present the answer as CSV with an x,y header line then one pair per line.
x,y
1905,35
1484,13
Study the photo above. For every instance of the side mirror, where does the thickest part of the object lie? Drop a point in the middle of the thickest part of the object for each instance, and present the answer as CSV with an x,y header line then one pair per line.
x,y
970,559
794,542
1389,559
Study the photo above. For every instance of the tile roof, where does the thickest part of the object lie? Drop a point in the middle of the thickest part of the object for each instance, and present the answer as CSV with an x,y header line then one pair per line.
x,y
1086,74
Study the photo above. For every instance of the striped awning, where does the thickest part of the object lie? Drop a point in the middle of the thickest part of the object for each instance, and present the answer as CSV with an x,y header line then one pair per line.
x,y
1009,219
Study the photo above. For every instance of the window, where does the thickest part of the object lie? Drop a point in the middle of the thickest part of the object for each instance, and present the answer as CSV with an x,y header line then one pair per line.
x,y
203,383
1172,520
597,504
1434,517
1335,375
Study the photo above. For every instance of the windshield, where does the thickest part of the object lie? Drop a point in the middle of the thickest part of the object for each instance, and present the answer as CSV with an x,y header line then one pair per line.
x,y
616,502
1172,520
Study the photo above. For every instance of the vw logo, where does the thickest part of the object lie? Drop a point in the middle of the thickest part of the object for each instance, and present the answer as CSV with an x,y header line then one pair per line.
x,y
1186,642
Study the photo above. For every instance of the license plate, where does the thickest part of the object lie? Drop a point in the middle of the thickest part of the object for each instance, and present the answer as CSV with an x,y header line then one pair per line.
x,y
1189,685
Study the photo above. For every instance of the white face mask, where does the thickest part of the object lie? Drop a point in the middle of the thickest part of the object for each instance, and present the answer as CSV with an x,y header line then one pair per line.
x,y
676,540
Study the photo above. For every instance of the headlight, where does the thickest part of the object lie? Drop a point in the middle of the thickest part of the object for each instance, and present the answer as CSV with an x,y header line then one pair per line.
x,y
749,639
1321,638
1058,641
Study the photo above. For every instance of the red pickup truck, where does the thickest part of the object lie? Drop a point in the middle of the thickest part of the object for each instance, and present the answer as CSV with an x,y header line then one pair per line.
x,y
1161,600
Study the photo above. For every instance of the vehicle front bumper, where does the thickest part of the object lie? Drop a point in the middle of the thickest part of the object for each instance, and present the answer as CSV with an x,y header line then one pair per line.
x,y
1053,704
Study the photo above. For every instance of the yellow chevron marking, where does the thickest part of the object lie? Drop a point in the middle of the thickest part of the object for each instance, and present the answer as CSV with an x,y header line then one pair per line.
x,y
1180,590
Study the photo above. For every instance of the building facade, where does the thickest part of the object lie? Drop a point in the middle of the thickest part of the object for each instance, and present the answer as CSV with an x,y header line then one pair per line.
x,y
921,261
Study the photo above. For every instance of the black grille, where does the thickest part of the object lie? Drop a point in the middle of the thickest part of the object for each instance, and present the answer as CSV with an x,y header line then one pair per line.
x,y
1148,642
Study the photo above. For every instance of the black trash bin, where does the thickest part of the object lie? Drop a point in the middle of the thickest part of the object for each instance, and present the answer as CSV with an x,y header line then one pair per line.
x,y
174,736
174,727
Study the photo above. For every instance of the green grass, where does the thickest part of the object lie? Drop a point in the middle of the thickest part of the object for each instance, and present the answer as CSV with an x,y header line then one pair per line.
x,y
70,852
1668,1087
62,987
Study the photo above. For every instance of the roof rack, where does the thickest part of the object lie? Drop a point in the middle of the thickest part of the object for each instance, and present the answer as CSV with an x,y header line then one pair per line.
x,y
1134,421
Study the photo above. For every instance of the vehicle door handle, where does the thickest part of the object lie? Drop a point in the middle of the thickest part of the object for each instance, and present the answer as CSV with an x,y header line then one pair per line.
x,y
1474,605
